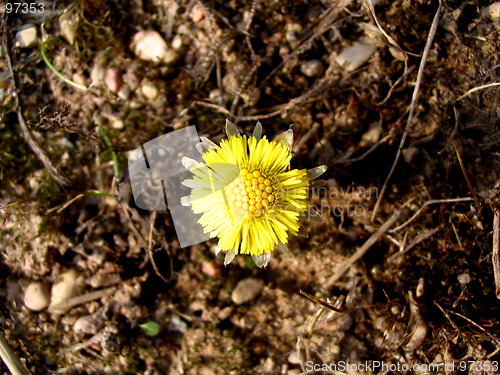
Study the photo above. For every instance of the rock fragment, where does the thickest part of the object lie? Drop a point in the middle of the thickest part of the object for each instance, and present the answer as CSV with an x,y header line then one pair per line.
x,y
37,296
27,37
246,290
150,46
492,12
65,288
356,55
312,68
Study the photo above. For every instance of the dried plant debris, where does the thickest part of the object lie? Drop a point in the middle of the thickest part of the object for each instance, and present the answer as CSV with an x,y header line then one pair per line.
x,y
398,99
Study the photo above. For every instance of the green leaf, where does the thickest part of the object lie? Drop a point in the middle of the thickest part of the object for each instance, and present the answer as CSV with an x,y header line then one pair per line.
x,y
150,328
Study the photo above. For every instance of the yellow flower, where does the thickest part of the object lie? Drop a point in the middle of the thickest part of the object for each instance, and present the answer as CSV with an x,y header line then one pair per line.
x,y
247,195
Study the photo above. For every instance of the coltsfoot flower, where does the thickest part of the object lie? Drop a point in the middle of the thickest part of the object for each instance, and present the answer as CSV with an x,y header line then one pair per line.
x,y
247,195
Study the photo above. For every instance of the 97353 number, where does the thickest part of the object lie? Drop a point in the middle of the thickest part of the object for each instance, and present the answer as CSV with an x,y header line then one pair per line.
x,y
24,8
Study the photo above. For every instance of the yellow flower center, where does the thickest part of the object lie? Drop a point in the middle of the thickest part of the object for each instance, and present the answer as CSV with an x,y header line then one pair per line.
x,y
251,193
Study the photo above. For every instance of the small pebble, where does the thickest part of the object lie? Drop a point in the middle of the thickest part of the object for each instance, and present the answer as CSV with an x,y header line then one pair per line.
x,y
177,325
410,154
197,14
492,11
150,46
27,37
150,91
113,79
217,96
117,123
464,278
225,313
355,56
292,32
124,93
395,310
67,26
372,135
294,358
80,79
88,324
312,68
37,296
97,73
210,268
204,370
177,42
65,288
246,290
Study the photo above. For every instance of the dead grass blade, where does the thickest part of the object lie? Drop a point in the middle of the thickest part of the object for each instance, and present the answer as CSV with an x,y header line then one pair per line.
x,y
25,131
478,88
10,359
366,246
420,74
495,256
471,188
320,302
429,202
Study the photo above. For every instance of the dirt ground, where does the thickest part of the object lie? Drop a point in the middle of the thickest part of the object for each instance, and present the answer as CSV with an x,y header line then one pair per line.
x,y
407,259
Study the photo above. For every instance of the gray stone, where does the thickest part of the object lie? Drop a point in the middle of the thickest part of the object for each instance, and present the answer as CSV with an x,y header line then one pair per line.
x,y
355,56
27,37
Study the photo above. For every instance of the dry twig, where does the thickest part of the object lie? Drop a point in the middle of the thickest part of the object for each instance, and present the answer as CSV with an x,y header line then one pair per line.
x,y
482,87
495,256
413,103
25,131
62,307
429,202
366,246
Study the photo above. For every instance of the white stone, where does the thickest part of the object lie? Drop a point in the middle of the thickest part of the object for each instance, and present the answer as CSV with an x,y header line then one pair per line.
x,y
88,325
150,91
150,46
294,358
177,42
37,296
492,11
355,56
246,290
27,37
65,288
312,68
117,123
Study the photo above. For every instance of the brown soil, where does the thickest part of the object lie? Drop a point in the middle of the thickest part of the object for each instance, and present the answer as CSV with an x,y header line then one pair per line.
x,y
423,293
